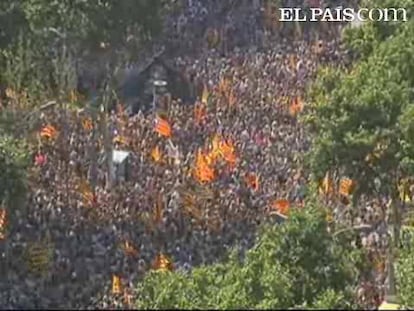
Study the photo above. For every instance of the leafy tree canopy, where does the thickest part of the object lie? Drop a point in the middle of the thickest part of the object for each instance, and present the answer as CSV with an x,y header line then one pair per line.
x,y
298,263
362,116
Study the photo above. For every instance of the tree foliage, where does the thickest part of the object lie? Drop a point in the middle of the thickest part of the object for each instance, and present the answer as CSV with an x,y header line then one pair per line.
x,y
38,37
13,164
405,275
295,264
90,22
361,115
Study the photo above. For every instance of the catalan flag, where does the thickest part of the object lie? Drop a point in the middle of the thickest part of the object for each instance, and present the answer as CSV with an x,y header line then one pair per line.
x,y
162,263
87,124
282,206
116,285
296,106
215,146
210,158
252,180
162,127
228,152
3,215
156,154
48,131
203,172
346,186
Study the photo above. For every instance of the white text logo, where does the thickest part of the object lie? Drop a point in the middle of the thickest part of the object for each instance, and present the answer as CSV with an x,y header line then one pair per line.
x,y
342,15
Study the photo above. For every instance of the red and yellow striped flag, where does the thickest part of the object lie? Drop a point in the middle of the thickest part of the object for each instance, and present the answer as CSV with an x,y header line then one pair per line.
x,y
162,127
346,186
48,131
87,124
116,285
282,206
162,263
296,106
156,154
215,147
203,171
228,152
252,180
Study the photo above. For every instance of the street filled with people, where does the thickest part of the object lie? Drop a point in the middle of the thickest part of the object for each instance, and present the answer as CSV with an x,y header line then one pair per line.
x,y
200,177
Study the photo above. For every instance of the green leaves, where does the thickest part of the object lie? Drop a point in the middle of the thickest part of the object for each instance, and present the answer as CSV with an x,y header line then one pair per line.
x,y
357,110
363,117
13,163
297,263
56,35
405,276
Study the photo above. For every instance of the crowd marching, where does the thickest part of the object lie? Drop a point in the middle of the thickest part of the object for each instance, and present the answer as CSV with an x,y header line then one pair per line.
x,y
201,177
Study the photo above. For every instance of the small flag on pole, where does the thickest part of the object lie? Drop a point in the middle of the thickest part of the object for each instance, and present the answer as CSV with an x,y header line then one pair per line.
x,y
162,263
49,132
162,127
116,284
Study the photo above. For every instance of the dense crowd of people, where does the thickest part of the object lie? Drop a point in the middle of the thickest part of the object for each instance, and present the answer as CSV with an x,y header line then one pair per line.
x,y
81,235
